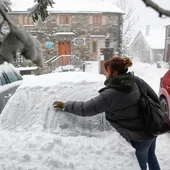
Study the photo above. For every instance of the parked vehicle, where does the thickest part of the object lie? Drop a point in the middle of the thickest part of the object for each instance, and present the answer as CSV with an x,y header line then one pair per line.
x,y
164,93
9,82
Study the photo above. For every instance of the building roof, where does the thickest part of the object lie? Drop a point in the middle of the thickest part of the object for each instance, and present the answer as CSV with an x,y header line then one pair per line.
x,y
156,38
70,6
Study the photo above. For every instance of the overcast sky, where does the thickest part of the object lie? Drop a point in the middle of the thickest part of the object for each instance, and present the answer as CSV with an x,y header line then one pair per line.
x,y
148,16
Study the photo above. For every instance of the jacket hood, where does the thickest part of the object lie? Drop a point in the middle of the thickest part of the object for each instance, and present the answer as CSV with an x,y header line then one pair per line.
x,y
123,82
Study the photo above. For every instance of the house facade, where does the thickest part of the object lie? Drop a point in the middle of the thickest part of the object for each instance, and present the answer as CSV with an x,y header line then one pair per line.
x,y
167,44
84,33
148,45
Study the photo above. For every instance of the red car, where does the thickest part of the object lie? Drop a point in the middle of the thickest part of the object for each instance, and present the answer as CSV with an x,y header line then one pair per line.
x,y
164,93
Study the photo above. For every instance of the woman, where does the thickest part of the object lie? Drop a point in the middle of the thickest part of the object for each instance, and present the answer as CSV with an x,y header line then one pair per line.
x,y
119,99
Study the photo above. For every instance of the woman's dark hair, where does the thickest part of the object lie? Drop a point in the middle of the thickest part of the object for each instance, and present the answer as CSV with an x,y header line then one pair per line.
x,y
119,64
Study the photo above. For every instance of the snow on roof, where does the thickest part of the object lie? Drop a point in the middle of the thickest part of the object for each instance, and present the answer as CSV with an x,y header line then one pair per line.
x,y
97,36
26,68
71,6
156,38
64,33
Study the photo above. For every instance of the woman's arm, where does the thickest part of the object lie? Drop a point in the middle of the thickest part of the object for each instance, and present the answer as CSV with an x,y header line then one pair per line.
x,y
91,107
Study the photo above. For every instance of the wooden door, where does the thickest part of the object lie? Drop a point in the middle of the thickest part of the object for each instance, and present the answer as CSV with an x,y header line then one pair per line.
x,y
64,48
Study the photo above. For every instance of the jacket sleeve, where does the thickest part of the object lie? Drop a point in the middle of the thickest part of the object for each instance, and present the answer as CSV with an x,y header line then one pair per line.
x,y
91,107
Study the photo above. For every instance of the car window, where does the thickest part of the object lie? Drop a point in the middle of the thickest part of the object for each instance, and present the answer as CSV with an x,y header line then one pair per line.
x,y
8,74
2,80
18,75
5,77
11,76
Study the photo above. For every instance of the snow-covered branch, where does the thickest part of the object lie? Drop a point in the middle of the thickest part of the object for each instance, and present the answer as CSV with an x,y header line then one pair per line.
x,y
6,5
39,10
129,20
157,8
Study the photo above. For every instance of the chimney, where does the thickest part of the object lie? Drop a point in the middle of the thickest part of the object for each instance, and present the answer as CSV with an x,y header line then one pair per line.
x,y
147,31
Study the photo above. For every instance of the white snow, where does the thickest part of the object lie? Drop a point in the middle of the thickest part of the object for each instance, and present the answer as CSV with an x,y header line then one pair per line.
x,y
156,38
73,7
34,136
64,33
10,85
26,68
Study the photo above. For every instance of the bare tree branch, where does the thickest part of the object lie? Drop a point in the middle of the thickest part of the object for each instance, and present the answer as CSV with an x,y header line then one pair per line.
x,y
157,8
129,20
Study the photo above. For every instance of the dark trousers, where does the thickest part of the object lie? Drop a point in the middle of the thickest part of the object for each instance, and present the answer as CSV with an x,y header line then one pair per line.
x,y
145,153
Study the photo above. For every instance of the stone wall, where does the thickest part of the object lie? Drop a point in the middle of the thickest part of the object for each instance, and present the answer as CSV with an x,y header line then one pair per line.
x,y
167,45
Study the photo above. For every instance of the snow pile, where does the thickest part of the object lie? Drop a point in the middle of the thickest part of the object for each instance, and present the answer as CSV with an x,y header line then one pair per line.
x,y
44,151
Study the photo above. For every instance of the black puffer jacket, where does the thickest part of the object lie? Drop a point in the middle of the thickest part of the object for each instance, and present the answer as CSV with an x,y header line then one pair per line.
x,y
119,100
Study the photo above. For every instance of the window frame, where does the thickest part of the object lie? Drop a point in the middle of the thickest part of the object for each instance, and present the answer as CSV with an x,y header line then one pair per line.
x,y
168,32
27,20
94,52
97,19
64,19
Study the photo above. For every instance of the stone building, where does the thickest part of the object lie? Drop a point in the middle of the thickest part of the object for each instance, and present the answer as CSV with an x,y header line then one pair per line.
x,y
82,30
148,45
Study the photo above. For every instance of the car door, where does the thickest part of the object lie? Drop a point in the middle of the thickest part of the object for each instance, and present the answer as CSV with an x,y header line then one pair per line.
x,y
6,92
165,82
10,79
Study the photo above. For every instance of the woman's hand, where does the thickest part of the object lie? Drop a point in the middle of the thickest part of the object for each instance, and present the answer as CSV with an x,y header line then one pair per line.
x,y
58,104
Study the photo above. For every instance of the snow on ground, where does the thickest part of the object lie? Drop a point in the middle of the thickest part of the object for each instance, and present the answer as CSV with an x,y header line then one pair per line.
x,y
150,73
34,136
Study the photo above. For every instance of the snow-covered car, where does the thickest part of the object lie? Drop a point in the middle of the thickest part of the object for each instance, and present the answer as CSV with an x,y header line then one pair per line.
x,y
41,91
9,82
45,138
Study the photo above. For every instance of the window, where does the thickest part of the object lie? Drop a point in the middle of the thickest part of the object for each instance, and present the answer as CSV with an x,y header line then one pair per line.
x,y
28,20
25,20
168,34
64,19
2,79
94,47
11,76
19,59
97,19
